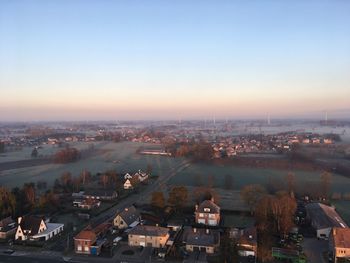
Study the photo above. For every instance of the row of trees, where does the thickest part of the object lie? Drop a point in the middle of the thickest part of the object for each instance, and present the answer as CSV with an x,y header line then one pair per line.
x,y
66,155
178,197
20,201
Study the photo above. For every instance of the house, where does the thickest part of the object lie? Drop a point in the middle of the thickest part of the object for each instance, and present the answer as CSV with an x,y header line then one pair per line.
x,y
128,185
339,243
90,240
207,213
101,194
246,242
87,204
199,239
141,176
7,228
34,228
129,217
127,176
148,236
323,218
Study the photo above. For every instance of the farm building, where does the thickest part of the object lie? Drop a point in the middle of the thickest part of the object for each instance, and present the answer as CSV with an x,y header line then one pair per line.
x,y
323,218
339,243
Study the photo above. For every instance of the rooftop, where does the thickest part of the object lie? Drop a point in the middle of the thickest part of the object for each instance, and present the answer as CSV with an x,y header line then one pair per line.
x,y
214,208
149,230
341,237
201,237
324,216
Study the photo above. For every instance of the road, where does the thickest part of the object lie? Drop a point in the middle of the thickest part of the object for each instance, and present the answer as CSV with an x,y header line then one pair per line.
x,y
134,198
28,257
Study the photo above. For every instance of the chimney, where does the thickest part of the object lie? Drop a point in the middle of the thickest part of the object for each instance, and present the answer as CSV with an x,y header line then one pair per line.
x,y
194,230
207,231
196,207
19,219
212,199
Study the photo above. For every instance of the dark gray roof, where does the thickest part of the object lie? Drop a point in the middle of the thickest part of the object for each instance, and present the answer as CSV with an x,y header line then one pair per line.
x,y
130,215
31,223
214,208
201,237
145,230
323,216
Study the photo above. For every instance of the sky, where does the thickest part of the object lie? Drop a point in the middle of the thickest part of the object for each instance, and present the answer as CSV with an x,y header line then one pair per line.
x,y
119,60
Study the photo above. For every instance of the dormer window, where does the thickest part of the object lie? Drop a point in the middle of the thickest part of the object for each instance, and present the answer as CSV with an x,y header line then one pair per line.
x,y
206,209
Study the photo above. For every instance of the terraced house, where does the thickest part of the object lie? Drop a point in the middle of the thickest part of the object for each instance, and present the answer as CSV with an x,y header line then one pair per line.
x,y
148,236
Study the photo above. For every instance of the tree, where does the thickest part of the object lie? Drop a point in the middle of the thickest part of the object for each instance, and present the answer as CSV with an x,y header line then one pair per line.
x,y
104,180
326,179
29,192
178,196
85,177
7,202
290,182
251,194
66,179
158,200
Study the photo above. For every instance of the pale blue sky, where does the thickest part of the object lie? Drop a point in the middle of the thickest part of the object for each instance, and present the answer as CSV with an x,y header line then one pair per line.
x,y
170,59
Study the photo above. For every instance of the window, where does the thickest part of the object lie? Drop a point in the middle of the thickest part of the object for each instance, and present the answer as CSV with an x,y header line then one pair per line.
x,y
206,209
201,214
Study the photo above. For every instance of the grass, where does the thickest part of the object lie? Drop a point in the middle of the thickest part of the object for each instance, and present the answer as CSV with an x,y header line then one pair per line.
x,y
119,156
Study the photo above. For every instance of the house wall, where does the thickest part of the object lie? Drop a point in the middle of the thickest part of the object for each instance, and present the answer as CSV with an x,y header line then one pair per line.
x,y
4,235
82,246
119,222
148,241
208,249
207,218
323,233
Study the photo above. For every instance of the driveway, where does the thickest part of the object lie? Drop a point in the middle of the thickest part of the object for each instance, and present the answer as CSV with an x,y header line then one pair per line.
x,y
313,249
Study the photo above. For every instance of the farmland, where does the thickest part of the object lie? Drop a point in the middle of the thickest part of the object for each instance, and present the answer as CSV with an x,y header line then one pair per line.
x,y
123,157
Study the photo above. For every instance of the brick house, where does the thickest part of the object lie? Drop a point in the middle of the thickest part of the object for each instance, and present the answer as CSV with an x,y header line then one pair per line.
x,y
207,213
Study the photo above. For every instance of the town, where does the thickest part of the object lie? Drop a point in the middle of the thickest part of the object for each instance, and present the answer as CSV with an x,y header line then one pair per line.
x,y
133,215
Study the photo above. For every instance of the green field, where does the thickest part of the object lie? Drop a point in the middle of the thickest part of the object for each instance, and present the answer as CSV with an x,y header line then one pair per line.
x,y
123,157
200,173
119,156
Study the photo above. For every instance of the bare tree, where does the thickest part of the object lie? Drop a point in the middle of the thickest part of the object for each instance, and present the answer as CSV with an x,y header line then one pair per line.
x,y
251,194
